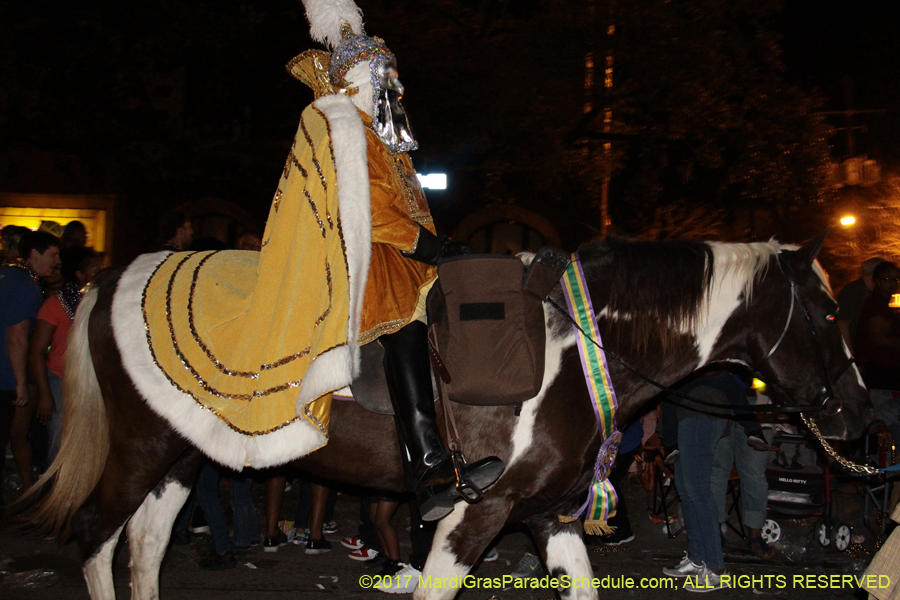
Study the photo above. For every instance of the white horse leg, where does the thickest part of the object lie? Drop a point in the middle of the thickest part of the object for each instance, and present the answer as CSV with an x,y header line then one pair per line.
x,y
148,536
98,570
566,554
442,564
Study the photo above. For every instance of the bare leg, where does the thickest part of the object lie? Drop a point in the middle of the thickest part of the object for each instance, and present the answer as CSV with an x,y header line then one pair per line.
x,y
274,500
317,514
19,442
384,512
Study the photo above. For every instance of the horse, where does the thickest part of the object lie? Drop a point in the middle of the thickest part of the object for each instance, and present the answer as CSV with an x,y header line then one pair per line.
x,y
664,309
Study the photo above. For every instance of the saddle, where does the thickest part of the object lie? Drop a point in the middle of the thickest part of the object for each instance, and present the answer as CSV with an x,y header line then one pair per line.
x,y
486,329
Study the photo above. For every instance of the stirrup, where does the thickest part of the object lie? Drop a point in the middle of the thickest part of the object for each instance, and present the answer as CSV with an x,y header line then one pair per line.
x,y
469,492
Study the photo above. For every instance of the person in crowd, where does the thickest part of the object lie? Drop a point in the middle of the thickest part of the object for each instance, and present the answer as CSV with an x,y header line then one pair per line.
x,y
877,341
365,545
852,298
11,235
249,241
308,508
751,467
51,330
74,235
20,300
382,515
698,435
246,522
176,232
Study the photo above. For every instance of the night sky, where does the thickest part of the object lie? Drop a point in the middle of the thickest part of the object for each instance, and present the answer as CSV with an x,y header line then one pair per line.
x,y
851,52
86,85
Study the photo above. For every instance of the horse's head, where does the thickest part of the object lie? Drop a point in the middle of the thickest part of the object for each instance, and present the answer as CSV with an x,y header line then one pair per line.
x,y
795,346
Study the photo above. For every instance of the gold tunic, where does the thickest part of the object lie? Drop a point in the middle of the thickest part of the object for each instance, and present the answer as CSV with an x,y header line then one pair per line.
x,y
396,287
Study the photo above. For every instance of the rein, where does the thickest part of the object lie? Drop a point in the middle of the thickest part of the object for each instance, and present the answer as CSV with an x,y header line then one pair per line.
x,y
796,299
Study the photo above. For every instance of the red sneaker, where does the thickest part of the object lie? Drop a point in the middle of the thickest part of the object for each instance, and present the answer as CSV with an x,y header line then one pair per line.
x,y
363,553
352,543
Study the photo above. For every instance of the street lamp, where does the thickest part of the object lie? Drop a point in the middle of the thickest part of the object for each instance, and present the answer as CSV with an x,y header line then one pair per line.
x,y
848,220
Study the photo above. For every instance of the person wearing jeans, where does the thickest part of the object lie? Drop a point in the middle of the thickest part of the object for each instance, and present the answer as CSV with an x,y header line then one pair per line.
x,y
751,467
698,435
246,522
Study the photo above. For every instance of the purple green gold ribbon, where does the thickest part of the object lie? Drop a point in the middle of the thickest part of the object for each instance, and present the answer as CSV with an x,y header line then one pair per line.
x,y
602,499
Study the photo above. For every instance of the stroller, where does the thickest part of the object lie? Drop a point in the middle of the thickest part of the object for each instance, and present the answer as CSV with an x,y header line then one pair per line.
x,y
800,487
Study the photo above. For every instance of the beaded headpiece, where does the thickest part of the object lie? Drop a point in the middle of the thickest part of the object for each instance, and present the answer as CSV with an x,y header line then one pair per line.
x,y
354,49
338,25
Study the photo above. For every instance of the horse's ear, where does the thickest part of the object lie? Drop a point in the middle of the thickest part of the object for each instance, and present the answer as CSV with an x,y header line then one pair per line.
x,y
807,252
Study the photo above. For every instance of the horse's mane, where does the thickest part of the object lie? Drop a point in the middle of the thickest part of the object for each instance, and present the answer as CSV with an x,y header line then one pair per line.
x,y
663,287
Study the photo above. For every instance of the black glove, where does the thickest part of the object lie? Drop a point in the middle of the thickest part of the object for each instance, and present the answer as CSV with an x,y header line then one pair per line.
x,y
454,248
431,249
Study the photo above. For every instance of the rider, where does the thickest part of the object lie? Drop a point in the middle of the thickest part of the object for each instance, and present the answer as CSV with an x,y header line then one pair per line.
x,y
404,253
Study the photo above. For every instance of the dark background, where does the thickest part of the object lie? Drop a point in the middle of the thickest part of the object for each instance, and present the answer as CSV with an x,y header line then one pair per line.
x,y
721,110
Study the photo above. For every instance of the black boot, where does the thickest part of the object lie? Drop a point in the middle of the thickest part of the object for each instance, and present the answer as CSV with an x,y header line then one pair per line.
x,y
437,479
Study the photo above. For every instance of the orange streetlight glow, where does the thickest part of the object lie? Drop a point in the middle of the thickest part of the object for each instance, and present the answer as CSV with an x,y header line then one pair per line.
x,y
848,220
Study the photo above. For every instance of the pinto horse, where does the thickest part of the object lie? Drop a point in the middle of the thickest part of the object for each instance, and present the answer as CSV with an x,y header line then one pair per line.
x,y
664,309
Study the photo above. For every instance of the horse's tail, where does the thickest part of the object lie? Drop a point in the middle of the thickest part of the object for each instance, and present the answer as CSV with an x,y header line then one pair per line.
x,y
84,443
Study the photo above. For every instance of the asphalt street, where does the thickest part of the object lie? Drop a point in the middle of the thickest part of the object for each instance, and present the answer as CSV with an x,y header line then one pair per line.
x,y
34,568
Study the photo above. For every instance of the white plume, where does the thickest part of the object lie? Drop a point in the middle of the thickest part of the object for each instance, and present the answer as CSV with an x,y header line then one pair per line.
x,y
325,18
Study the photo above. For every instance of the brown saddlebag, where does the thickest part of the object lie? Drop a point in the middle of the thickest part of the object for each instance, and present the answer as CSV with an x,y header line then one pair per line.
x,y
486,320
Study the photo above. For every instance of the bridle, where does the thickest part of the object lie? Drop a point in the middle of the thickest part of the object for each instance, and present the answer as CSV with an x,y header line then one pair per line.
x,y
826,393
820,401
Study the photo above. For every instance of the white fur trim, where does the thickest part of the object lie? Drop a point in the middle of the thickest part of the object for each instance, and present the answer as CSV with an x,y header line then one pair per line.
x,y
330,371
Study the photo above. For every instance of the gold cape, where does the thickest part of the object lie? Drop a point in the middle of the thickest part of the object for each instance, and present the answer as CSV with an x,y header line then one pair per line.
x,y
261,339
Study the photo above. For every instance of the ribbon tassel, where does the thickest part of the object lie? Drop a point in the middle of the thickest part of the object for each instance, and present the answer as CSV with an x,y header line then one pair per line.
x,y
602,499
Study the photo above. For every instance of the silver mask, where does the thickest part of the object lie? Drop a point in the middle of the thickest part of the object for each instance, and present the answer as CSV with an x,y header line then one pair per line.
x,y
389,118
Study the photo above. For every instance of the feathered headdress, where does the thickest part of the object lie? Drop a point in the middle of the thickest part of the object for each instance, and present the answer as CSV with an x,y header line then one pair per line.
x,y
326,18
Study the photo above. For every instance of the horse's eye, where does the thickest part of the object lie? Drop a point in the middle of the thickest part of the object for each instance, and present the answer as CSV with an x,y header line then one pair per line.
x,y
830,318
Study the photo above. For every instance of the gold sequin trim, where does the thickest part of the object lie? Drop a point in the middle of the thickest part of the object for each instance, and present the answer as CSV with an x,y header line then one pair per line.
x,y
276,200
177,349
328,279
379,330
331,150
292,160
315,210
285,360
314,159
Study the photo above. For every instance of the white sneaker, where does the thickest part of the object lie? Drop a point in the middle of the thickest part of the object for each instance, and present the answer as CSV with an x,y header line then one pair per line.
x,y
685,568
707,581
490,555
403,581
